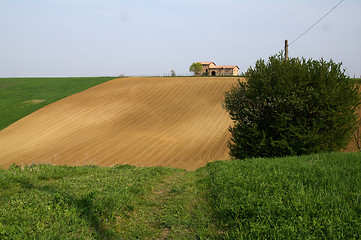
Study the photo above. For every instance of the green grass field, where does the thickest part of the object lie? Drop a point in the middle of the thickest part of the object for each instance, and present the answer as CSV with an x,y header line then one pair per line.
x,y
21,96
308,197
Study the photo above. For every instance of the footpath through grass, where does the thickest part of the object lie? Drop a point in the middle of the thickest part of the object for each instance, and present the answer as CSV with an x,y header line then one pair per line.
x,y
21,96
308,197
120,202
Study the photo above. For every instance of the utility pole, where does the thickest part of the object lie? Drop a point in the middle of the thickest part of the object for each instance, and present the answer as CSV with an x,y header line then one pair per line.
x,y
286,50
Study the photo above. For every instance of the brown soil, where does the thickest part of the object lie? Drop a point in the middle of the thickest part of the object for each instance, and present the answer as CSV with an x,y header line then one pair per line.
x,y
173,122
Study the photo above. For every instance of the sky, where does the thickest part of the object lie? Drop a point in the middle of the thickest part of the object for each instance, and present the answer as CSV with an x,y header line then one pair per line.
x,y
147,38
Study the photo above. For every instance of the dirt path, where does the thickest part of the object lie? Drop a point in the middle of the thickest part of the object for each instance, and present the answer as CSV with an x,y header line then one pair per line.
x,y
176,208
174,122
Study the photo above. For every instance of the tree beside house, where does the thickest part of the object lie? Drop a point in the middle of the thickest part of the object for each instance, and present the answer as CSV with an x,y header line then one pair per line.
x,y
211,69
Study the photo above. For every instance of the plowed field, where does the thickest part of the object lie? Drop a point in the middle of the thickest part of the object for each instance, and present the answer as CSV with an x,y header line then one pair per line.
x,y
174,122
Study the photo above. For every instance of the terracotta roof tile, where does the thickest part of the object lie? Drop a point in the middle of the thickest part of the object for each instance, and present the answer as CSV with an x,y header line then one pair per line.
x,y
218,67
226,67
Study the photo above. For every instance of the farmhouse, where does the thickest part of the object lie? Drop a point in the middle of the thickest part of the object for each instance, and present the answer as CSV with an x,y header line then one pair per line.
x,y
210,68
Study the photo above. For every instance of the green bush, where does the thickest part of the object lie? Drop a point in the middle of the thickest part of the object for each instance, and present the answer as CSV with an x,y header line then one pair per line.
x,y
291,107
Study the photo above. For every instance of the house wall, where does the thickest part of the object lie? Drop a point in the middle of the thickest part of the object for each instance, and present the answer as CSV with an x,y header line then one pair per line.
x,y
218,70
205,68
235,71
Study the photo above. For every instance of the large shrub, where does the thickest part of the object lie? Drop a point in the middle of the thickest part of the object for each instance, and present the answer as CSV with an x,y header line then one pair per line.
x,y
291,107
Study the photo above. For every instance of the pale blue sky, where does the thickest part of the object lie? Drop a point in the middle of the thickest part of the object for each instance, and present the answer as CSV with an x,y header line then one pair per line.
x,y
113,37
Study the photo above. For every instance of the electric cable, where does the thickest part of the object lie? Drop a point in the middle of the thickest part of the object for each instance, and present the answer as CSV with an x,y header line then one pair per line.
x,y
316,22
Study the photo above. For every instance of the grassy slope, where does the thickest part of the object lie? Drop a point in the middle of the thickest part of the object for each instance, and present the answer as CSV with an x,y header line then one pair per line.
x,y
101,203
308,197
15,94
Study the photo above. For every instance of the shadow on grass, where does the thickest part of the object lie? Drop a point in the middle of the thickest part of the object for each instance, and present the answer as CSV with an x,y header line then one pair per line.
x,y
86,206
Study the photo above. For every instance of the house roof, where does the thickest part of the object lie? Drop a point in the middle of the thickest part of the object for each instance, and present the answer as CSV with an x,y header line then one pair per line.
x,y
234,66
218,67
207,63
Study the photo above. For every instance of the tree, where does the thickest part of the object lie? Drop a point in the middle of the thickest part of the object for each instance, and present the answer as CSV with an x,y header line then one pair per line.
x,y
172,73
357,136
291,107
196,68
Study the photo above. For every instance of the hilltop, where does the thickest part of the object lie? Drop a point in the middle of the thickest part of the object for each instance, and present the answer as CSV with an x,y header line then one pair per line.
x,y
174,122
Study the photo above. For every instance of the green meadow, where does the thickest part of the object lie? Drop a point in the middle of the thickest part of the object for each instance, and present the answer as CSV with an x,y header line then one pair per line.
x,y
308,197
21,96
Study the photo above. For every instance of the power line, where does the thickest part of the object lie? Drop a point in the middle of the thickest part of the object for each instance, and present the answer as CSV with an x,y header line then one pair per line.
x,y
316,22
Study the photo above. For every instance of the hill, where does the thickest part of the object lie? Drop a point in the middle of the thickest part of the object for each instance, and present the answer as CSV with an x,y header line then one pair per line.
x,y
175,122
307,197
21,96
